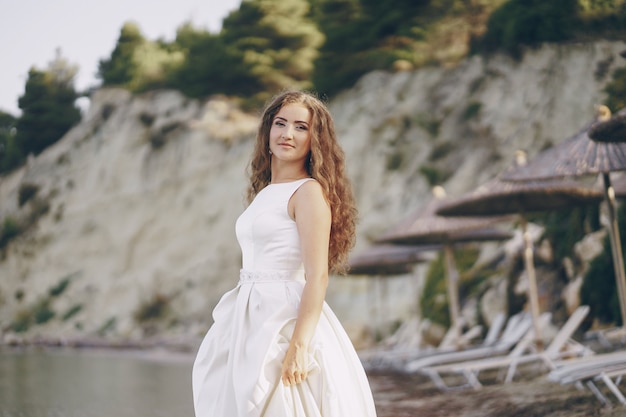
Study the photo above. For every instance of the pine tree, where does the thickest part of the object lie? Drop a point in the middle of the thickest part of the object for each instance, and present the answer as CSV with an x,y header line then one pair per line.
x,y
276,40
138,64
210,67
48,108
361,36
121,67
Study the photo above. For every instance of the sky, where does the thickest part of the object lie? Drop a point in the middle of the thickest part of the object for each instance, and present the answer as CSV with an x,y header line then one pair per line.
x,y
86,32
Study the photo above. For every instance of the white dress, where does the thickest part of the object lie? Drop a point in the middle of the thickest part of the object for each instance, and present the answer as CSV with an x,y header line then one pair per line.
x,y
237,371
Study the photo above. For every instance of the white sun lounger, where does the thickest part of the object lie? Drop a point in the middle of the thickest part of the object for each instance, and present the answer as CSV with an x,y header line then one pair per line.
x,y
397,357
560,346
517,326
590,370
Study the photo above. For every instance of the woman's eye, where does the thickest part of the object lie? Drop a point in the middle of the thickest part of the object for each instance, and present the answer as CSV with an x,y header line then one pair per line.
x,y
302,127
278,123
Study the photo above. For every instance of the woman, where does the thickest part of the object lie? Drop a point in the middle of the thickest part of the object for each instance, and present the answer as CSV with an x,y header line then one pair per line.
x,y
275,348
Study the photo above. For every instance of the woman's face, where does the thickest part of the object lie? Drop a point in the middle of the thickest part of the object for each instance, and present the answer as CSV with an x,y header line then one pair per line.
x,y
290,137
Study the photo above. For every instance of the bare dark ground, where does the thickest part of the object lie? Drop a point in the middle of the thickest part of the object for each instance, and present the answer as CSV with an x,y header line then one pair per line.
x,y
401,395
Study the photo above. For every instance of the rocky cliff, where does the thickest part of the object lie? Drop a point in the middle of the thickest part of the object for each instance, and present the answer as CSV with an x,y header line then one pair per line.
x,y
125,227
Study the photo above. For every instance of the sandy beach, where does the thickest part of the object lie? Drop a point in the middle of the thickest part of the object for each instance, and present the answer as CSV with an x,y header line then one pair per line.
x,y
533,395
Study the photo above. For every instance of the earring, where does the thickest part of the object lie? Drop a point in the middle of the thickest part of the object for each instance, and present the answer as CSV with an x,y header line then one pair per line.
x,y
270,151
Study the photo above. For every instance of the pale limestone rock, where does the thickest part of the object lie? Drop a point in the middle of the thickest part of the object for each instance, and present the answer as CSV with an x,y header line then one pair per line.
x,y
408,335
571,294
544,251
516,244
494,301
468,313
432,333
590,246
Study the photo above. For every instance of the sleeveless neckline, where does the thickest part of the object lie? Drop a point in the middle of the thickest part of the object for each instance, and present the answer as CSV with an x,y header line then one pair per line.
x,y
290,182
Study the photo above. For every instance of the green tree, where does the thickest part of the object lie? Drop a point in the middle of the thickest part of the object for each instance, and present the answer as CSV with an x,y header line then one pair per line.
x,y
139,64
121,68
391,17
156,61
210,66
276,40
337,66
520,23
363,35
48,109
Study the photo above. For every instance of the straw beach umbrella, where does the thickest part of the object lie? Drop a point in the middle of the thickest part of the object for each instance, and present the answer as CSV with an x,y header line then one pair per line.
x,y
383,260
426,227
579,155
497,197
611,130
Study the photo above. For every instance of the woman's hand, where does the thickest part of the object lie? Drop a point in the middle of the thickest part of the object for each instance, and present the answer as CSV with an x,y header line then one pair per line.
x,y
295,365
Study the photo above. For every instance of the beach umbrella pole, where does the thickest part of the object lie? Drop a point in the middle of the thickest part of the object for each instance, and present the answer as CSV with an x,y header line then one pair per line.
x,y
453,292
533,294
616,246
379,302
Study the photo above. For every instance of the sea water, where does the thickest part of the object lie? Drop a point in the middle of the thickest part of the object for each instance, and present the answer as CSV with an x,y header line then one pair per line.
x,y
84,383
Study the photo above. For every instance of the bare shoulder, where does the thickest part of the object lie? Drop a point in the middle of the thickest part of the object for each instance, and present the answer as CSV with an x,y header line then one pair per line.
x,y
309,199
310,191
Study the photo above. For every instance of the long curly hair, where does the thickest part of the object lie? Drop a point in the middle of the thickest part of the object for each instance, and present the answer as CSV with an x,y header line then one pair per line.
x,y
326,164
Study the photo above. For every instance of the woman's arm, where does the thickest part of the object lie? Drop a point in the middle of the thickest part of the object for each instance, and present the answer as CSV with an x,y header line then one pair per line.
x,y
312,215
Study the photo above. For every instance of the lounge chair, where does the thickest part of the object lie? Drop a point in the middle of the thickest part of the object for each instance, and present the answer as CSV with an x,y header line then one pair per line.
x,y
560,346
607,375
588,371
396,357
517,326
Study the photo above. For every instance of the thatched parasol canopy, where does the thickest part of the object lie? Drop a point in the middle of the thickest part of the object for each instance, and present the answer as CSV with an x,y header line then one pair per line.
x,y
498,197
384,260
575,156
612,130
427,227
580,155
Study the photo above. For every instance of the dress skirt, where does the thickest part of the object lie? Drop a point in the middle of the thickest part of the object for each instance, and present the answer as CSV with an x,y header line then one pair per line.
x,y
237,371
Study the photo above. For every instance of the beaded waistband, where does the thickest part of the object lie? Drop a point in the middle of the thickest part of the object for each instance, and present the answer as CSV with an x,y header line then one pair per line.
x,y
246,276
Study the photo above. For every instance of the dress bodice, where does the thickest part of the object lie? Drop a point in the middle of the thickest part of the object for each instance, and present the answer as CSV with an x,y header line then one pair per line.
x,y
267,235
